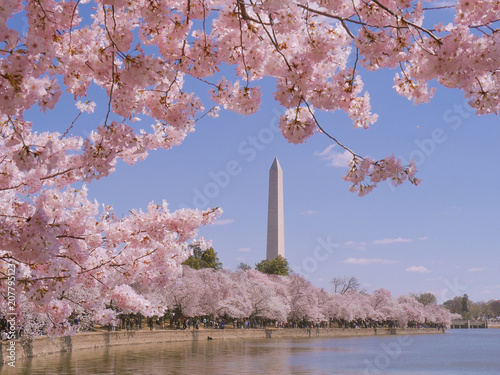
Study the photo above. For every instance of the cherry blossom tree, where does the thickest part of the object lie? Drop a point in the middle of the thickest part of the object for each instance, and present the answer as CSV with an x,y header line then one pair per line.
x,y
385,307
205,292
439,315
303,300
183,295
360,306
266,295
412,311
325,304
33,323
236,304
140,54
236,295
212,290
353,306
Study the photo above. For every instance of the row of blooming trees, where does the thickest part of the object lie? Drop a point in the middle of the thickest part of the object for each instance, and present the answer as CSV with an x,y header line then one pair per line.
x,y
138,55
252,295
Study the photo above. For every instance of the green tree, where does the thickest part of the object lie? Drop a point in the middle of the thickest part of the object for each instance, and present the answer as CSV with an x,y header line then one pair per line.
x,y
203,259
454,305
471,310
277,266
465,307
495,307
425,298
477,309
243,267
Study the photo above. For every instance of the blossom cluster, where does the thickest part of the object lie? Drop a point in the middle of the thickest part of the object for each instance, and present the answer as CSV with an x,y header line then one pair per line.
x,y
366,173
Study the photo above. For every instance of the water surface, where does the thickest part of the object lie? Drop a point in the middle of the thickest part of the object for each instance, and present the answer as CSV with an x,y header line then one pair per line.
x,y
460,352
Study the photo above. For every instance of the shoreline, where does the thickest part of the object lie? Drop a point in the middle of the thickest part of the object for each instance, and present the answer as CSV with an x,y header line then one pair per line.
x,y
40,346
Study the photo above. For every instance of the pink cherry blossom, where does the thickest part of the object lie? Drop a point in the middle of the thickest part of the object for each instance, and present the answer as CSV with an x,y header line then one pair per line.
x,y
141,55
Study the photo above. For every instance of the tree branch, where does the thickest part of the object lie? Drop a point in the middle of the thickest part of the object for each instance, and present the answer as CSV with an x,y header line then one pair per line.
x,y
341,19
328,135
401,19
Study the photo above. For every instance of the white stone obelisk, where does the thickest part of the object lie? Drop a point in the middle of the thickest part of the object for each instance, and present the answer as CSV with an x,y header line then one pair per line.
x,y
275,219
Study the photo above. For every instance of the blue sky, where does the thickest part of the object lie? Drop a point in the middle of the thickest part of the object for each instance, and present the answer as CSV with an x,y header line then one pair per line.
x,y
439,237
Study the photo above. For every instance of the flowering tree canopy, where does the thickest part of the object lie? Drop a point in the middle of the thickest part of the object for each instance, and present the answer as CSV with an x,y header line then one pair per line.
x,y
253,294
140,53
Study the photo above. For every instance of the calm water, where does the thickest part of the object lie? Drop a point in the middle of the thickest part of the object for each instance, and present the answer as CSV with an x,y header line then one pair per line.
x,y
462,352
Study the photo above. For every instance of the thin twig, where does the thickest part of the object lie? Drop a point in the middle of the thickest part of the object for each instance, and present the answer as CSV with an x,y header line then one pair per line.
x,y
72,237
437,8
113,44
341,19
354,69
399,18
43,10
73,123
244,13
274,41
205,114
71,22
328,135
243,50
56,174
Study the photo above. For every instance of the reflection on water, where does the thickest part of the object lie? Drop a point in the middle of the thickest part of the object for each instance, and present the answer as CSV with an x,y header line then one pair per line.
x,y
205,357
464,352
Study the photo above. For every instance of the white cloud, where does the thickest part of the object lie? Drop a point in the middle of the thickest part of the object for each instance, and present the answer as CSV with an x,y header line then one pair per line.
x,y
309,212
422,238
366,261
419,269
388,241
356,245
223,221
362,246
479,269
335,159
244,249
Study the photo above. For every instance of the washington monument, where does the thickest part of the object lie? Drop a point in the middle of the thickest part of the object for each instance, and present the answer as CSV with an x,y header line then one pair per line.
x,y
275,223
